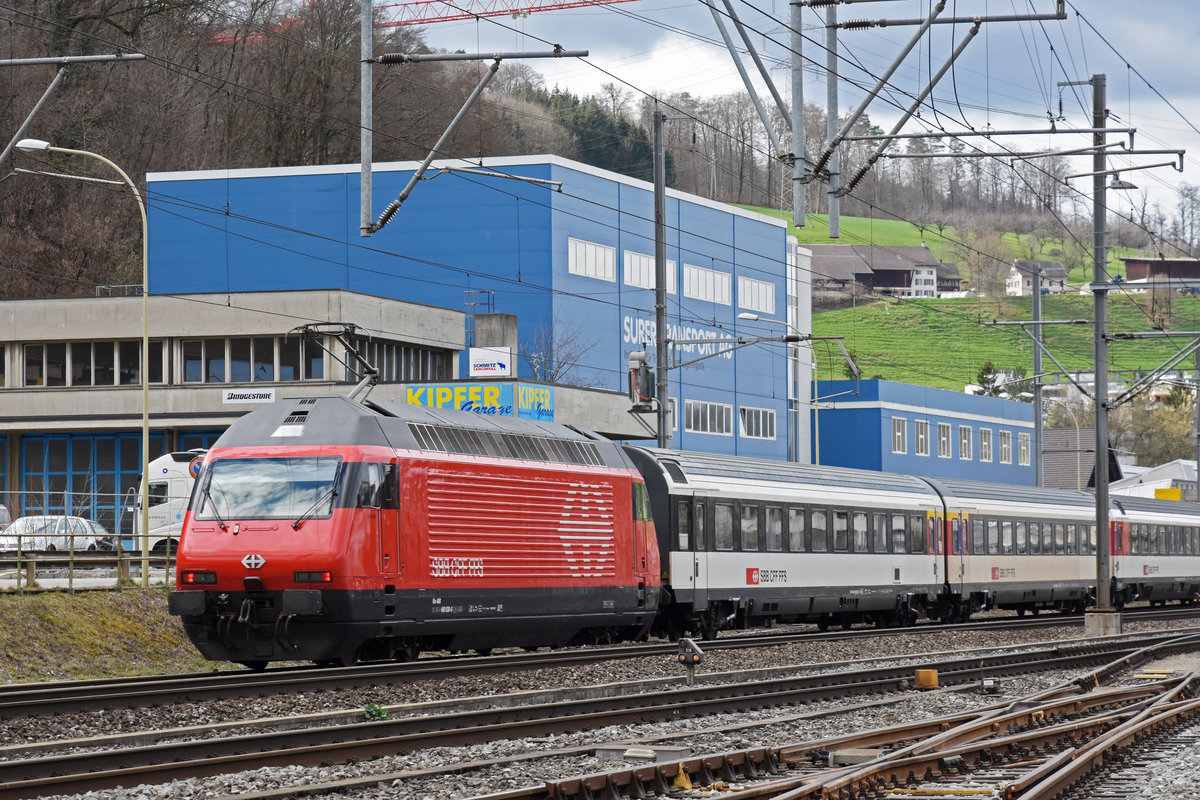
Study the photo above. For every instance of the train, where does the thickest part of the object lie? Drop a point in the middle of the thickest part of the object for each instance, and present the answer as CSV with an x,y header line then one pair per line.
x,y
334,529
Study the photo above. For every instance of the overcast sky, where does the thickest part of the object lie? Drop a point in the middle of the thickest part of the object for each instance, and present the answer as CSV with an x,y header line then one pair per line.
x,y
1007,77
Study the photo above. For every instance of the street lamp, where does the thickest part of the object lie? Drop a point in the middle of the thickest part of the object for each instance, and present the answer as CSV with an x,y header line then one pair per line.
x,y
746,315
39,146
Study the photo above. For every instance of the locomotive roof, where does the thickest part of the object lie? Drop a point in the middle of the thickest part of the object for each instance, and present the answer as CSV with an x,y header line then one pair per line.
x,y
682,464
325,421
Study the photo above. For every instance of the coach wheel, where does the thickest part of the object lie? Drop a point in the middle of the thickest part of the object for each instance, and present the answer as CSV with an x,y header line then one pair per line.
x,y
483,651
823,625
257,666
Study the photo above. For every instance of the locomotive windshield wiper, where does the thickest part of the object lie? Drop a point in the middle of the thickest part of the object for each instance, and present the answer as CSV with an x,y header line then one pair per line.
x,y
331,493
213,507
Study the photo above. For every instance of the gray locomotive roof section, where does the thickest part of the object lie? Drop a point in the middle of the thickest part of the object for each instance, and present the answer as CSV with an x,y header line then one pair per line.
x,y
1003,492
338,420
723,466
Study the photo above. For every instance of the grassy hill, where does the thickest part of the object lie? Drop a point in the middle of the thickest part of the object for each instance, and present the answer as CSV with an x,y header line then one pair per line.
x,y
943,343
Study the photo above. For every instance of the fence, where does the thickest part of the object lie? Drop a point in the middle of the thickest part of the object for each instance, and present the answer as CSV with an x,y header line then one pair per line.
x,y
81,538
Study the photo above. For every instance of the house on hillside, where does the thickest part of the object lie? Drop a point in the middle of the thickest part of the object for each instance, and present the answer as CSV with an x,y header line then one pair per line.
x,y
1019,282
896,271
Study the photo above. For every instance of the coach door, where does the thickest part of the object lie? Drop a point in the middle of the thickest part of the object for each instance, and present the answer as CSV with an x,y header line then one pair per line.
x,y
701,533
957,527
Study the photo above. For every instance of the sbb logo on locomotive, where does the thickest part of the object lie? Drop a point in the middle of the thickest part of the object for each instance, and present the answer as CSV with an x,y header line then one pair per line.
x,y
444,567
756,576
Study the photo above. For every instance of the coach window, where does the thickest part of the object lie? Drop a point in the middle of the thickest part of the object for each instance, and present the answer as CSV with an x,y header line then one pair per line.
x,y
899,533
773,520
937,540
1006,537
699,528
1035,538
916,533
1059,538
749,527
955,536
879,533
1072,541
859,528
1161,539
796,529
993,536
1021,537
1047,538
978,537
683,523
841,530
819,527
723,526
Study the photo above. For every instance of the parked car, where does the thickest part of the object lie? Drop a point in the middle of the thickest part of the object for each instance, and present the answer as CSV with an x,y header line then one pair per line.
x,y
52,533
5,517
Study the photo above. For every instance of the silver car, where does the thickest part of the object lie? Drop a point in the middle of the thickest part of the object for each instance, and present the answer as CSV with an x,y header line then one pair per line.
x,y
51,533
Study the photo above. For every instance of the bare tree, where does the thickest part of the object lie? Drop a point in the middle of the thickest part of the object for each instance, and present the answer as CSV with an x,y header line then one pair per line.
x,y
555,351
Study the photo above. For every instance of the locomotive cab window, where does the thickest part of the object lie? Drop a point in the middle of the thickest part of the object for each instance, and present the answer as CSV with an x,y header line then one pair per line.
x,y
641,503
282,487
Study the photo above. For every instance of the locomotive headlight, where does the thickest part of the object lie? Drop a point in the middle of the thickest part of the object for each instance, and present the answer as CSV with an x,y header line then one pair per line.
x,y
192,577
319,576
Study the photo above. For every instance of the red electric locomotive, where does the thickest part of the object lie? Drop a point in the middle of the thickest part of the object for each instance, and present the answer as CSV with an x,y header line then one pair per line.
x,y
330,530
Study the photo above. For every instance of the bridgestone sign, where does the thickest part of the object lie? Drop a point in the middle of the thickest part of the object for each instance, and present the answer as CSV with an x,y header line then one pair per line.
x,y
245,396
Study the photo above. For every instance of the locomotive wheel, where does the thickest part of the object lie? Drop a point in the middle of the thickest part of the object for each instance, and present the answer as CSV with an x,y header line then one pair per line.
x,y
410,652
823,625
257,666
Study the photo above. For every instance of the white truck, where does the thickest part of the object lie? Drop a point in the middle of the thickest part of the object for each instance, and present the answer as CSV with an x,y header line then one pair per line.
x,y
171,479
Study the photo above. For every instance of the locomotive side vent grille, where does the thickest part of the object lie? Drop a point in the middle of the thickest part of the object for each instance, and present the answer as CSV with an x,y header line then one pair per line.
x,y
445,439
296,418
308,401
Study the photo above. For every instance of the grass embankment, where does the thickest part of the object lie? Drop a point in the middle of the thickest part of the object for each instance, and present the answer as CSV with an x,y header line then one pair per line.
x,y
943,343
58,636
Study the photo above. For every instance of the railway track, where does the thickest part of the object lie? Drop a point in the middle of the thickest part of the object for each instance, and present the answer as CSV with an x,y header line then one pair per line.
x,y
19,700
102,763
1076,741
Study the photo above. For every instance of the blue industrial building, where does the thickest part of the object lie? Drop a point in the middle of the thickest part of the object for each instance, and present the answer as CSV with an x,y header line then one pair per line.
x,y
571,256
916,430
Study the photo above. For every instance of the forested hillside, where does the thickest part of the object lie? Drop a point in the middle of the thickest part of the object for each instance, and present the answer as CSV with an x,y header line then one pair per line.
x,y
271,83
